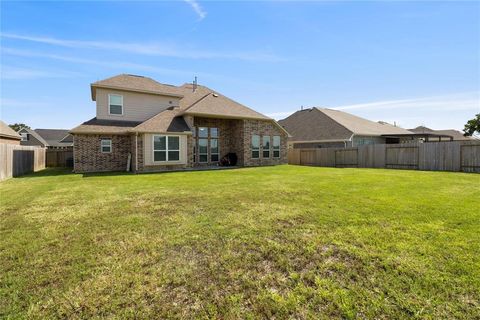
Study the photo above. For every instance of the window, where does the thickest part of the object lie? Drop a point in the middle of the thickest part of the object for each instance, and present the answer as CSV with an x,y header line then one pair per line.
x,y
276,146
24,136
255,147
214,150
203,132
115,104
166,148
106,145
202,150
266,147
214,132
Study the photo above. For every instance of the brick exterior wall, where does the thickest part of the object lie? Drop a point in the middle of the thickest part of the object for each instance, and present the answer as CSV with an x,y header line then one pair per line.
x,y
234,136
263,128
229,140
89,158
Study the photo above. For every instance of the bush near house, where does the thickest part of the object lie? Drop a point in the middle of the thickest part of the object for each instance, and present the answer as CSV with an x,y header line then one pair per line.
x,y
270,242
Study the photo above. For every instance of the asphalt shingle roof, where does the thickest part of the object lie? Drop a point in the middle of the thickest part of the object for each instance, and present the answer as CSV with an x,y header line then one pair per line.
x,y
6,131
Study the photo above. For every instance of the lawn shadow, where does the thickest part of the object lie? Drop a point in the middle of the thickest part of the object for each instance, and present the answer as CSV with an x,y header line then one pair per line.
x,y
47,172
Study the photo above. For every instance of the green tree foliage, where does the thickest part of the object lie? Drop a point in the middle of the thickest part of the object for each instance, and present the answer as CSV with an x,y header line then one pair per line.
x,y
18,126
473,126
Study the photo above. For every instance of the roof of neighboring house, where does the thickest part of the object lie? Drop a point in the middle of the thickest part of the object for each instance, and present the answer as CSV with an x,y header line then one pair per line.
x,y
55,137
457,135
321,124
34,134
207,102
6,131
100,126
136,83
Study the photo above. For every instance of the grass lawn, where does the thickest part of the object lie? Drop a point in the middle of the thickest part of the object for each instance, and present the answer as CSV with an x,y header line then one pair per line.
x,y
273,242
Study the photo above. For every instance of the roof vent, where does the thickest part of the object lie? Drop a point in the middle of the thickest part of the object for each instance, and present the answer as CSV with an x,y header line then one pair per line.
x,y
215,95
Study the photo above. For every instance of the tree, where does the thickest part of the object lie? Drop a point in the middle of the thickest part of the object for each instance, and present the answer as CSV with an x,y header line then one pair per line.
x,y
472,126
18,126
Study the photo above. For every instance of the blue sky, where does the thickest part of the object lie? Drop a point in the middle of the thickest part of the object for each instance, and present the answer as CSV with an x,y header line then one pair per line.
x,y
415,63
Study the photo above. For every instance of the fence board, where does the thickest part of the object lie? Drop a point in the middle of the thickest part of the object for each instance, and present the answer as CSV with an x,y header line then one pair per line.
x,y
16,160
435,156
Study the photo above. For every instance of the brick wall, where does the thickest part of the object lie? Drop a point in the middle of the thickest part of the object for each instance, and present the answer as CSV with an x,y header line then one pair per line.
x,y
89,158
263,128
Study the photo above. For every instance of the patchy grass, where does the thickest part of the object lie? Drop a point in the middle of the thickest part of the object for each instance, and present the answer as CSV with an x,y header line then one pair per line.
x,y
272,242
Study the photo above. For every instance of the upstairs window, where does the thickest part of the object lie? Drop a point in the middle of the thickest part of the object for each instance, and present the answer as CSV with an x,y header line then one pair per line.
x,y
255,147
24,136
166,148
203,132
115,104
266,147
106,145
276,146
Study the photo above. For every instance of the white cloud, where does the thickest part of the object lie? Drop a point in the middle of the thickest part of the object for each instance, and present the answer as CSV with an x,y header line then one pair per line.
x,y
14,73
461,101
152,48
197,8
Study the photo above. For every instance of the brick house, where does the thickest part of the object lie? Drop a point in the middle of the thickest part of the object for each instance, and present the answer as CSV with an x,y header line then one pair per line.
x,y
147,126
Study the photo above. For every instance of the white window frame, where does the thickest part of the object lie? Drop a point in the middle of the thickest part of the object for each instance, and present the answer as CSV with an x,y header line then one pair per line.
x,y
109,104
276,148
269,147
166,148
24,136
257,148
109,145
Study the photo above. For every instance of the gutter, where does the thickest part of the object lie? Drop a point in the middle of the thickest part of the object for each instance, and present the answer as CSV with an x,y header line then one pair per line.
x,y
350,139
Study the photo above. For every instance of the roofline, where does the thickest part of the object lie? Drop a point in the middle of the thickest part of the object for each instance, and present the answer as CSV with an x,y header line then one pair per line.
x,y
36,135
100,132
93,86
220,116
317,141
6,135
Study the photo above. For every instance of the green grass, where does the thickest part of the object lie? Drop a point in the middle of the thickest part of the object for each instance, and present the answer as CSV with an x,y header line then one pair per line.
x,y
272,242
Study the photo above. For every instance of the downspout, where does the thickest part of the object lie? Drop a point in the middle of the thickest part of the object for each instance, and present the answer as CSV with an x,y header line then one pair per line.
x,y
350,139
136,152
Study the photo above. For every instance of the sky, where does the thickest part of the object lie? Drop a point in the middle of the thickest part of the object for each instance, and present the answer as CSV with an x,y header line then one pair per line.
x,y
409,63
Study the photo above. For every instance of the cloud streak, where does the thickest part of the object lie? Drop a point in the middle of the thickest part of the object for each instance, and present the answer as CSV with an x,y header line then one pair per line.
x,y
197,8
461,101
152,48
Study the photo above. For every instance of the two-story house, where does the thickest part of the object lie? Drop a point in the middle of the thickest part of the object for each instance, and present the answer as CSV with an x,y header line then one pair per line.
x,y
147,126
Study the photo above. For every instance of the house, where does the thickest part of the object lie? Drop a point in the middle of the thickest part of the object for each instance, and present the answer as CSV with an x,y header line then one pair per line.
x,y
8,135
146,126
442,135
57,139
322,127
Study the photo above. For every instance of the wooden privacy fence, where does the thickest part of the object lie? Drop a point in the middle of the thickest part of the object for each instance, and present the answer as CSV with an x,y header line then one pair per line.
x,y
59,158
433,156
16,160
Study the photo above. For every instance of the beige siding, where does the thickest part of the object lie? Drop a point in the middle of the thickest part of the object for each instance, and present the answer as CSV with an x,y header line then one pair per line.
x,y
136,106
148,150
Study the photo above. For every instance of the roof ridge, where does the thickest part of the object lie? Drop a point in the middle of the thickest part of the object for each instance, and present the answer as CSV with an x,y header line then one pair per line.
x,y
341,124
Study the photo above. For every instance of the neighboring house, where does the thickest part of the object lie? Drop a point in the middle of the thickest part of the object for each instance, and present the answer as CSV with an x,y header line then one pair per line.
x,y
442,135
148,126
52,139
321,128
8,135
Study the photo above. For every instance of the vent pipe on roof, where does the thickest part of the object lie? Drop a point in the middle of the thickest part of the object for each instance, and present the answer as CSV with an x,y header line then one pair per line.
x,y
301,107
194,87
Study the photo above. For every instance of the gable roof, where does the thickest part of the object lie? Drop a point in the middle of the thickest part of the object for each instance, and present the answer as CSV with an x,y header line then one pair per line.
x,y
55,137
34,134
166,121
6,131
136,83
322,124
207,102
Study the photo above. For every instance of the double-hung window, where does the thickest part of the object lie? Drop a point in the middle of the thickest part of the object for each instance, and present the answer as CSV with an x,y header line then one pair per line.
x,y
115,104
255,147
276,146
214,152
106,145
166,148
266,147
